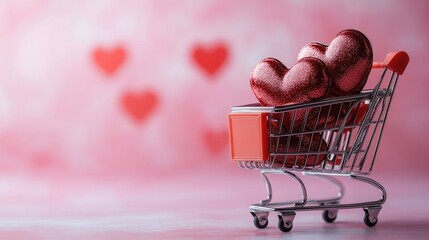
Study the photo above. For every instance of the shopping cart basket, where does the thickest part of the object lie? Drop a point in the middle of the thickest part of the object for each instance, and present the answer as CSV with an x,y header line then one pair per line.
x,y
329,138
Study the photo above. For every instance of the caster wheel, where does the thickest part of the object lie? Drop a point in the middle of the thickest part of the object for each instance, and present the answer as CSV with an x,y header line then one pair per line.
x,y
285,226
260,223
368,221
329,216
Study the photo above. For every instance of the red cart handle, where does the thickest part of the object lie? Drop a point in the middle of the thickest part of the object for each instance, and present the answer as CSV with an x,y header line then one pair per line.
x,y
395,61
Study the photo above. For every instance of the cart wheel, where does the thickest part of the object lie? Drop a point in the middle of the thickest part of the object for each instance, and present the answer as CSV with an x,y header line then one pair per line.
x,y
329,216
285,226
370,222
260,223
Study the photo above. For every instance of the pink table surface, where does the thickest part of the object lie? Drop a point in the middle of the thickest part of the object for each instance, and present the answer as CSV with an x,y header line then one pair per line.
x,y
209,203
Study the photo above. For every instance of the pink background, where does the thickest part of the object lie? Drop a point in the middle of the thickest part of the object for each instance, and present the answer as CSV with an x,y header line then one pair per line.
x,y
119,96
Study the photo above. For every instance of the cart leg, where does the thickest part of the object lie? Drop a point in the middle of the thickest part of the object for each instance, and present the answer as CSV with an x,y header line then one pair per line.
x,y
286,221
333,181
376,185
303,188
337,183
330,215
269,190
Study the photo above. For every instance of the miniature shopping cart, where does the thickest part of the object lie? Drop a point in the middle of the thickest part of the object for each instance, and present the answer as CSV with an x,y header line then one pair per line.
x,y
330,138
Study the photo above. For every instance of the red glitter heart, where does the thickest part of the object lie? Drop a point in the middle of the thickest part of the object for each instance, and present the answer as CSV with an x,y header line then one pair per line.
x,y
275,85
109,60
210,58
348,58
139,105
304,143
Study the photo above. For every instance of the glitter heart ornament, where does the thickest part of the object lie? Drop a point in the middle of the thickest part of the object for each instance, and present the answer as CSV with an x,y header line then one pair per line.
x,y
275,85
349,59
